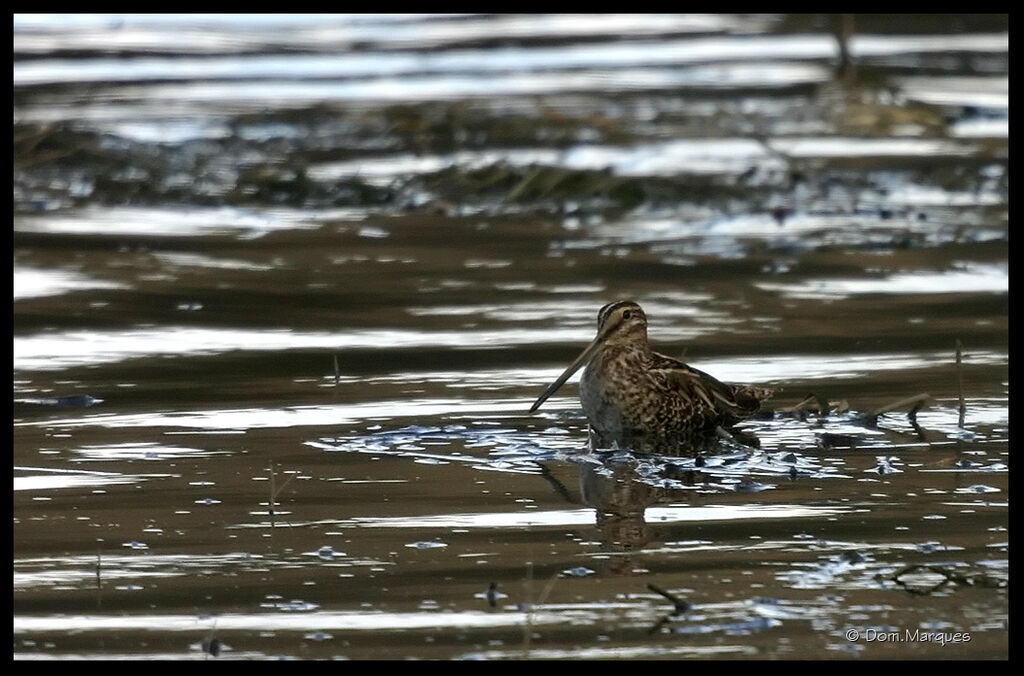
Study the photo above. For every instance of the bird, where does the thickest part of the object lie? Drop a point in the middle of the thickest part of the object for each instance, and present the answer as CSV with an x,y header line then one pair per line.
x,y
636,398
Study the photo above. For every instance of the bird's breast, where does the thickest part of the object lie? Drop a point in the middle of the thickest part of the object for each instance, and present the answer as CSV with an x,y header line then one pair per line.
x,y
609,389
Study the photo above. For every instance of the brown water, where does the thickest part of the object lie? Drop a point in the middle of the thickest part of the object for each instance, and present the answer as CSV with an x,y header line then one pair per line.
x,y
286,287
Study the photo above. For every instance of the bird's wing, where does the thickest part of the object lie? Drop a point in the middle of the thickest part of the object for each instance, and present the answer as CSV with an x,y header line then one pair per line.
x,y
704,389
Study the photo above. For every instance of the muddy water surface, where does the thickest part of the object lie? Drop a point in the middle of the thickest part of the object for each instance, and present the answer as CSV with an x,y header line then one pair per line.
x,y
286,287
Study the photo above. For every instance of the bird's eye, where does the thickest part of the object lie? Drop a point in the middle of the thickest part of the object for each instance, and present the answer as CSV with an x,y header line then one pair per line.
x,y
627,314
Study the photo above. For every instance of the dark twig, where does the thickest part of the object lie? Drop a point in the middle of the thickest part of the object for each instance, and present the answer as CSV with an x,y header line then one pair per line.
x,y
681,605
99,580
810,402
211,645
844,32
274,492
948,576
960,382
530,604
915,403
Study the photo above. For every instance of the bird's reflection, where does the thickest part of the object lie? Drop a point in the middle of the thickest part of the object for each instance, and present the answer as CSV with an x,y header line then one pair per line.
x,y
621,485
620,499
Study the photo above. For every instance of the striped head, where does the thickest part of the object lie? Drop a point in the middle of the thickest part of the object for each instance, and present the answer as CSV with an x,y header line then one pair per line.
x,y
620,323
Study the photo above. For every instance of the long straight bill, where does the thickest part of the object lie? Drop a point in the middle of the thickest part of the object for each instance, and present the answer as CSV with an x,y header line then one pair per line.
x,y
573,368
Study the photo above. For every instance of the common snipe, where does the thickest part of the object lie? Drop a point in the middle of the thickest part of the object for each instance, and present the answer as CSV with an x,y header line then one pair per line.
x,y
637,398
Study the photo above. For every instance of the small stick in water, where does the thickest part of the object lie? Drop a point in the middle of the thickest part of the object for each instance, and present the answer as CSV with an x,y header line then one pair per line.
x,y
844,33
681,605
915,402
528,623
811,401
273,493
99,578
960,382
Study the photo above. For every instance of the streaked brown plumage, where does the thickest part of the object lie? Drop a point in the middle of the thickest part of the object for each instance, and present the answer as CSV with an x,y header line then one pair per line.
x,y
635,397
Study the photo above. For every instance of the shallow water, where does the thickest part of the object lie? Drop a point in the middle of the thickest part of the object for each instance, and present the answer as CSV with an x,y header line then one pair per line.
x,y
286,287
